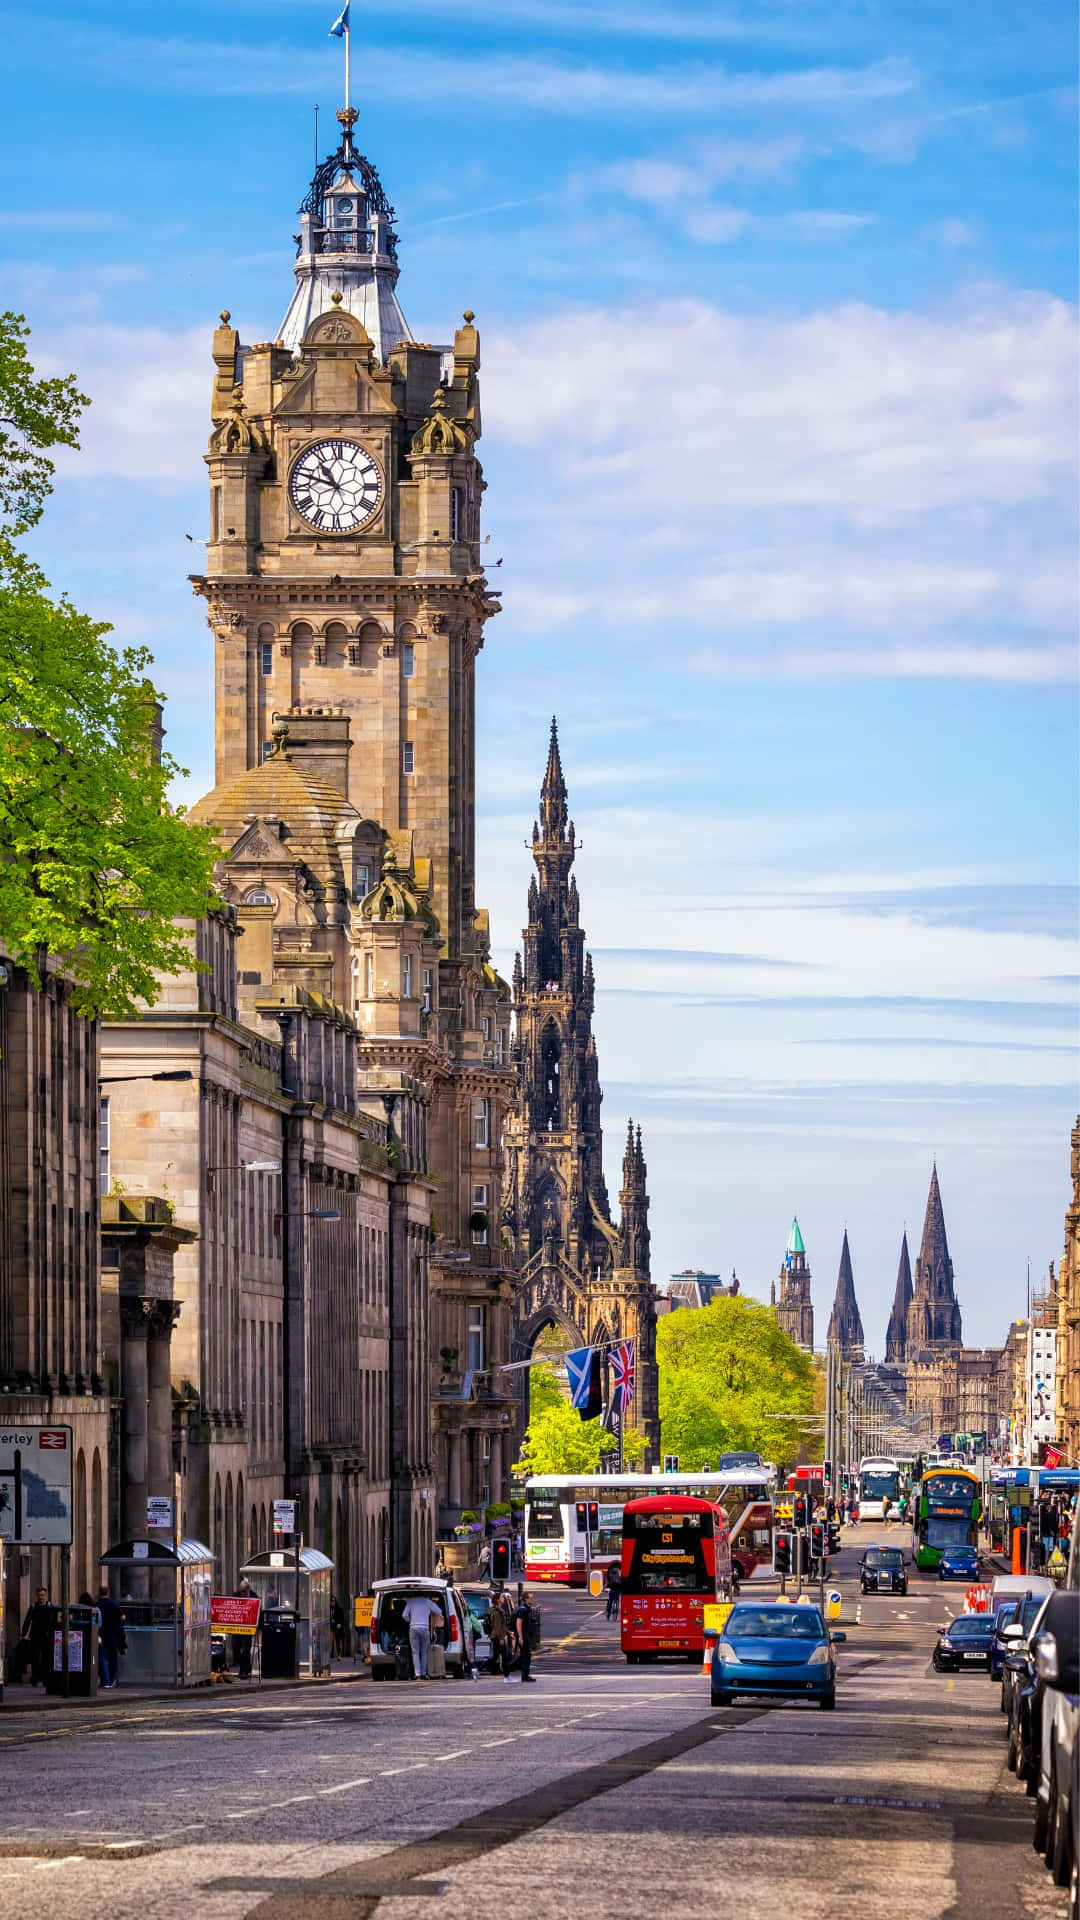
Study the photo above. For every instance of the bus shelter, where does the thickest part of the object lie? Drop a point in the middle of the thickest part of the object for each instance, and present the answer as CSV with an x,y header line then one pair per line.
x,y
273,1581
164,1594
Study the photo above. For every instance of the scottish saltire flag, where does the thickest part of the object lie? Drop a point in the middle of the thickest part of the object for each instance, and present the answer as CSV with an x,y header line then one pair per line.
x,y
583,1370
341,25
621,1362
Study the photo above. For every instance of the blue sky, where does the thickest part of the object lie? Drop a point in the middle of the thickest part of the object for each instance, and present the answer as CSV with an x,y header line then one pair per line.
x,y
777,306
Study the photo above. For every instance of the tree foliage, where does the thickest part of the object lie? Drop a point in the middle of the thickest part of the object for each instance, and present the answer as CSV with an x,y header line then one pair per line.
x,y
724,1370
94,864
558,1440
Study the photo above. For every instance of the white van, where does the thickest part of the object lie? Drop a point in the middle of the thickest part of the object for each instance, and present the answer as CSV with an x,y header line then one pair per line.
x,y
1008,1586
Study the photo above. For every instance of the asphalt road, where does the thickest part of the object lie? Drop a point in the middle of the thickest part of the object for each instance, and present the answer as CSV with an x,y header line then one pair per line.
x,y
602,1791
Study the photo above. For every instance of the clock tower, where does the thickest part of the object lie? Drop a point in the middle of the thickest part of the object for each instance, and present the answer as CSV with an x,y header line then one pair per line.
x,y
348,603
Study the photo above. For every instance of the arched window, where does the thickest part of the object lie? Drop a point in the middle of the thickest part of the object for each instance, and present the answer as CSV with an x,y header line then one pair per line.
x,y
551,1101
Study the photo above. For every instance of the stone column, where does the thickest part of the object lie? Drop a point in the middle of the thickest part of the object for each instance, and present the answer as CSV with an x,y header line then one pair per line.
x,y
453,1475
163,1316
134,1389
495,1469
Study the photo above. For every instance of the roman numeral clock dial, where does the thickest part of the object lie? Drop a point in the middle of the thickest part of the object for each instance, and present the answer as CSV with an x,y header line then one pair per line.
x,y
335,486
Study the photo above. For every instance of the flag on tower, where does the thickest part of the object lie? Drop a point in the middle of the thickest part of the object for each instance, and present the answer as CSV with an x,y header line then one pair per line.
x,y
621,1362
341,24
583,1371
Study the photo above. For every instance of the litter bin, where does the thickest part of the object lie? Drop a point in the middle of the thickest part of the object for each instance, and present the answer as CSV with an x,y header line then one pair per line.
x,y
280,1644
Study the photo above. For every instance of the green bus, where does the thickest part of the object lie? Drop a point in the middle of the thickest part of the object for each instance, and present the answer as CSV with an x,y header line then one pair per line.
x,y
946,1507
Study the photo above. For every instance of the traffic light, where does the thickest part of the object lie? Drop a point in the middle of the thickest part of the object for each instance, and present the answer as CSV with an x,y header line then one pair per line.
x,y
500,1559
781,1554
671,1463
802,1544
588,1516
801,1510
834,1536
818,1542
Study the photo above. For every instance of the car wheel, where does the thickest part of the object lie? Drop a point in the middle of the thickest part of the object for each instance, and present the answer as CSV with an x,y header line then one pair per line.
x,y
827,1702
1059,1840
1004,1699
1041,1827
1014,1750
723,1699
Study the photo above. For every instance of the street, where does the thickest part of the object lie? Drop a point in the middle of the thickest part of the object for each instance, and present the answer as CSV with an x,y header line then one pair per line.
x,y
603,1790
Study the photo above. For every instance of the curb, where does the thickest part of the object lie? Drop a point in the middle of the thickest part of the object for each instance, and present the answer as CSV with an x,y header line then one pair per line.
x,y
164,1697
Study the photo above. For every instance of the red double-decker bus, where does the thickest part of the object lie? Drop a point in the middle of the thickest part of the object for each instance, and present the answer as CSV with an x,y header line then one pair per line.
x,y
676,1555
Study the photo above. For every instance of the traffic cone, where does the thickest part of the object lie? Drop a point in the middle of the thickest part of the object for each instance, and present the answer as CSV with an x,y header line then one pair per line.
x,y
707,1657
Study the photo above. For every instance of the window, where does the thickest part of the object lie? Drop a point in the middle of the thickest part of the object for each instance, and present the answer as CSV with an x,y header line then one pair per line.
x,y
369,976
479,1214
427,989
481,1123
406,977
406,756
215,513
500,1044
266,657
258,897
485,1027
477,1317
267,749
408,660
362,882
103,1146
455,513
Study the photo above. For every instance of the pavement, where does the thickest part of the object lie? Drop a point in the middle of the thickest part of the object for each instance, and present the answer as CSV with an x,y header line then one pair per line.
x,y
603,1791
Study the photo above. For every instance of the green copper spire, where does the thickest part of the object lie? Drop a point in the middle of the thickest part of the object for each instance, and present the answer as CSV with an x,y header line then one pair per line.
x,y
795,1239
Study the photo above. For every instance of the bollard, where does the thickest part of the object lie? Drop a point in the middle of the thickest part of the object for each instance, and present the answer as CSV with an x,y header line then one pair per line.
x,y
833,1603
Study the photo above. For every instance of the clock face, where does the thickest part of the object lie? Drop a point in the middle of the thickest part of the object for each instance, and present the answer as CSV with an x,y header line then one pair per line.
x,y
336,486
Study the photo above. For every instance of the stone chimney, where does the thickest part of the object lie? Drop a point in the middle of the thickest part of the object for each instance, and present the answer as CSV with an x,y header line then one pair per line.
x,y
317,740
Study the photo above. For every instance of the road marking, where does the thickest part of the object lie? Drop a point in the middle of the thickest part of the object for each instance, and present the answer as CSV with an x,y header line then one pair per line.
x,y
457,1754
345,1785
47,1866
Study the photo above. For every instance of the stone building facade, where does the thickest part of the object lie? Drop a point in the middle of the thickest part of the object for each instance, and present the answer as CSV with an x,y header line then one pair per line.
x,y
51,1370
579,1272
1068,1325
305,1233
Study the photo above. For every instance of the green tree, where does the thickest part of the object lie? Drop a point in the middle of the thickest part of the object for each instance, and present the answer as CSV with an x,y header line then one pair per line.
x,y
725,1370
94,864
558,1440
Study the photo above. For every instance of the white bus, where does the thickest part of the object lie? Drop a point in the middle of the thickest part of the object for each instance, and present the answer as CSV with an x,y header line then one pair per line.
x,y
879,1480
555,1544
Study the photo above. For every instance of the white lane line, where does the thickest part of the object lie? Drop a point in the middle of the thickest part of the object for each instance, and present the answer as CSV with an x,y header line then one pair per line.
x,y
346,1784
457,1754
48,1866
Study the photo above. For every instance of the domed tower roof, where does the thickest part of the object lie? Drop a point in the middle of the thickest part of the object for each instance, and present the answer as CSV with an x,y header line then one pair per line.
x,y
347,245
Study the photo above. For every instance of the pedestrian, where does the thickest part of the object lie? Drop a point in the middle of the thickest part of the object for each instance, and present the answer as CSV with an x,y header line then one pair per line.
x,y
418,1614
523,1636
337,1628
240,1644
112,1640
440,1568
483,1562
38,1630
613,1582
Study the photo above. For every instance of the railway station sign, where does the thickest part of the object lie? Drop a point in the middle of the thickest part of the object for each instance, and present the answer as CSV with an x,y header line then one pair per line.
x,y
35,1485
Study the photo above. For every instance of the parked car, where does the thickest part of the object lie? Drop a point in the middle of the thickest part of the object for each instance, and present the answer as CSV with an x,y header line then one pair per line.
x,y
883,1570
1025,1707
1017,1613
390,1633
1056,1655
769,1648
964,1644
958,1563
1007,1586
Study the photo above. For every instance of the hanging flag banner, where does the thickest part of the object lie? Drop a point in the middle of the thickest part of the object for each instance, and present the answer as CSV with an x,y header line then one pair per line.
x,y
583,1371
621,1362
341,25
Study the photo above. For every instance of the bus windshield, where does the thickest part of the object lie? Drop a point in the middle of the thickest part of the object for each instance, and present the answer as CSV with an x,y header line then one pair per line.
x,y
952,1489
668,1553
545,1516
879,1486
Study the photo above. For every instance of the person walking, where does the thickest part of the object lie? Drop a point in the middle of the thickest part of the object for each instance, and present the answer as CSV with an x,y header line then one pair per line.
x,y
241,1644
499,1632
417,1614
337,1628
112,1640
613,1582
38,1630
483,1562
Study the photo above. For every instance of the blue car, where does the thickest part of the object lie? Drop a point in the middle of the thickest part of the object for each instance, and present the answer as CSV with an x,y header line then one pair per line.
x,y
958,1563
773,1648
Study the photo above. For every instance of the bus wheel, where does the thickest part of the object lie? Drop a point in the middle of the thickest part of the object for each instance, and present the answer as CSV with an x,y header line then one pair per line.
x,y
633,1659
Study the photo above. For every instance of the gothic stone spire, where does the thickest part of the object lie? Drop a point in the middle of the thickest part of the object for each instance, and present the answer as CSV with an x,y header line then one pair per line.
x,y
896,1337
845,1325
934,1316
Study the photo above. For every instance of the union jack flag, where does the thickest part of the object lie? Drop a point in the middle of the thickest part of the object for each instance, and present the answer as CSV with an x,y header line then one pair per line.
x,y
621,1362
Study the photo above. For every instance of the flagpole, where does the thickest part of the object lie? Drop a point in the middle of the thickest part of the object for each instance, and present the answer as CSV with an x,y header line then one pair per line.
x,y
348,67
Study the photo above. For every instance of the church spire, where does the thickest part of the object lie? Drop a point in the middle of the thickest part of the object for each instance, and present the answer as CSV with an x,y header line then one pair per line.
x,y
553,812
934,1317
845,1324
896,1337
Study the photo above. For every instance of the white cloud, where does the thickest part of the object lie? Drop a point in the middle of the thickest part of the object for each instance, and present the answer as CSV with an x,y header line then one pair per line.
x,y
149,416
